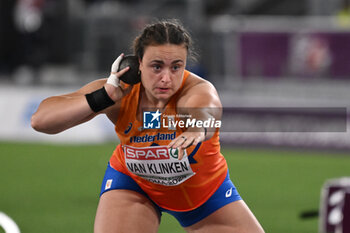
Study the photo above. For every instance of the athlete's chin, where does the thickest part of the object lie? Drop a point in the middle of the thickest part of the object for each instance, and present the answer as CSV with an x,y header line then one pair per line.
x,y
162,96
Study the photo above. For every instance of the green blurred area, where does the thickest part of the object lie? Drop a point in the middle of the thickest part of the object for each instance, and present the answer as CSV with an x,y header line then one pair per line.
x,y
55,188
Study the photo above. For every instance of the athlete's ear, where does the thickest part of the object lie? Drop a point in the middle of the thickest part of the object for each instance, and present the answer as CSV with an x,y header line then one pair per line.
x,y
140,65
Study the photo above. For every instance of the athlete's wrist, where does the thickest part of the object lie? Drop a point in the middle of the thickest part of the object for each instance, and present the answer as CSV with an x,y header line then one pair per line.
x,y
99,100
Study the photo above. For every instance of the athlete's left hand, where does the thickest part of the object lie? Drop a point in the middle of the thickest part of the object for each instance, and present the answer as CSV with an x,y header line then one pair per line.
x,y
186,140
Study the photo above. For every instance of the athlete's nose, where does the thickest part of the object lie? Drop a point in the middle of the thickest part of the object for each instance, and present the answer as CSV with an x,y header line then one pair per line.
x,y
166,76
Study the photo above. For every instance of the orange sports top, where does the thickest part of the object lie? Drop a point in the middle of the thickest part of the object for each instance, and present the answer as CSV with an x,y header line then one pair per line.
x,y
179,185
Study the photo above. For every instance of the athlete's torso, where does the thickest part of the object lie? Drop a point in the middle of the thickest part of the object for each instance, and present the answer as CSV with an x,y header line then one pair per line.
x,y
179,185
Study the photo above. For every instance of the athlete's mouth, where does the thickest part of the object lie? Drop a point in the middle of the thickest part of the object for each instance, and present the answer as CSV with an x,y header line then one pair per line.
x,y
163,89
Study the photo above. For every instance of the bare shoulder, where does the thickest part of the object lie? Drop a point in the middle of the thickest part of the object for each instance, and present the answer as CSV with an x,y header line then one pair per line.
x,y
194,81
198,92
196,85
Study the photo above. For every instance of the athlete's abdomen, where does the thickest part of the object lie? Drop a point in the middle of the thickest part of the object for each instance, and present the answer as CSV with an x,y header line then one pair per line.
x,y
206,162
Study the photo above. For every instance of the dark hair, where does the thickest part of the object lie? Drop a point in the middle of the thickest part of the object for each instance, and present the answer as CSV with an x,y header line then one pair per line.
x,y
163,32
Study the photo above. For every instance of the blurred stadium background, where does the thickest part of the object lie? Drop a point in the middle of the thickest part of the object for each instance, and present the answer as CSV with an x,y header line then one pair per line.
x,y
282,69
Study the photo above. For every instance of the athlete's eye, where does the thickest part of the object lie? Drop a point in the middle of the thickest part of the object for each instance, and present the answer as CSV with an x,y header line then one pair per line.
x,y
156,67
176,67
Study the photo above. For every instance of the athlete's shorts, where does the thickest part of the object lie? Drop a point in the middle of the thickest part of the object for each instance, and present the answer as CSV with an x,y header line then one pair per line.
x,y
225,194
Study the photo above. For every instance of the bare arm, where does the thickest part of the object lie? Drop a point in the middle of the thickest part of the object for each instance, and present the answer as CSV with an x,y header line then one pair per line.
x,y
201,102
58,113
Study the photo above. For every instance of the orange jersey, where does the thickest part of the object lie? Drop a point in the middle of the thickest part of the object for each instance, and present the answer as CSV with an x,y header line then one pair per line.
x,y
179,185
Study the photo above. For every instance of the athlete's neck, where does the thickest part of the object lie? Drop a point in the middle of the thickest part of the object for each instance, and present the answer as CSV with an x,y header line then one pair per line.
x,y
149,101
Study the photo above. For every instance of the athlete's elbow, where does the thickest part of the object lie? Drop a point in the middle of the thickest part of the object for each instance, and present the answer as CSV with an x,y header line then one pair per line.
x,y
39,124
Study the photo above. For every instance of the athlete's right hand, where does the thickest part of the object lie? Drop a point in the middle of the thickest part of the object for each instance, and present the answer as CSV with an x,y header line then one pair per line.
x,y
114,88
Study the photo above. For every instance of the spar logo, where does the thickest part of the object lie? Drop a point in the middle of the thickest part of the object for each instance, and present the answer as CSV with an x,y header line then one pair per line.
x,y
147,153
151,120
151,153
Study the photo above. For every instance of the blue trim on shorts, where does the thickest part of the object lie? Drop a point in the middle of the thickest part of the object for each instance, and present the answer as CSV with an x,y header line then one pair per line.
x,y
119,181
225,194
